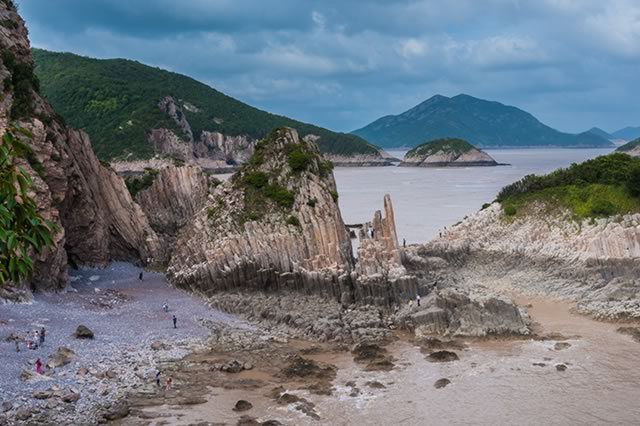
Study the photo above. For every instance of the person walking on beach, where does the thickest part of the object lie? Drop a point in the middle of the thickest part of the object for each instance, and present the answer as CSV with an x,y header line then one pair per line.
x,y
165,307
174,321
418,299
38,366
17,345
140,276
158,378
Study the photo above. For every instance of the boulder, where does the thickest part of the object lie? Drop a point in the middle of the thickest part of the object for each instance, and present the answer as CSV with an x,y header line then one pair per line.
x,y
70,396
24,413
6,406
61,357
247,421
561,346
440,383
375,385
158,345
442,356
242,405
46,394
561,367
117,411
83,332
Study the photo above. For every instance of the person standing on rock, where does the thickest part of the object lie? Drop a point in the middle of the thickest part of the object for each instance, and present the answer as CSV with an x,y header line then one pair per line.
x,y
418,299
169,382
404,243
38,366
175,320
158,378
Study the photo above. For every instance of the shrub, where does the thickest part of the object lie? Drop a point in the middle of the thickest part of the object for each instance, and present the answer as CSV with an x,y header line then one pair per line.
x,y
292,220
510,210
299,159
282,196
135,185
602,207
334,195
256,179
312,202
485,206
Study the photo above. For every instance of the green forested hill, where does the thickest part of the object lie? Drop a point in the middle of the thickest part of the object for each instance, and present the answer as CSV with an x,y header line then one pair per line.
x,y
483,123
116,102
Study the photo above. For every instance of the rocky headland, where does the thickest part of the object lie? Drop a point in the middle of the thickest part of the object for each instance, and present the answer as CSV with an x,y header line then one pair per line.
x,y
448,152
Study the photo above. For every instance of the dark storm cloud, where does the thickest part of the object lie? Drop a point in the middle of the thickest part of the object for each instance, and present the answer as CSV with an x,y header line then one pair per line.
x,y
341,64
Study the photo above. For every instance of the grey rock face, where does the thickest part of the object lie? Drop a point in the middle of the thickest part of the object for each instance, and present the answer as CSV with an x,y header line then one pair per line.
x,y
99,221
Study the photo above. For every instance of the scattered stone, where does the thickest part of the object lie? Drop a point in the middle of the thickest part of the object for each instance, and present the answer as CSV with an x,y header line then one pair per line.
x,y
561,346
440,383
288,398
375,356
375,385
561,367
243,405
271,423
117,411
82,371
442,356
233,366
634,332
24,413
70,396
539,364
248,421
42,394
248,366
6,406
158,345
83,332
63,356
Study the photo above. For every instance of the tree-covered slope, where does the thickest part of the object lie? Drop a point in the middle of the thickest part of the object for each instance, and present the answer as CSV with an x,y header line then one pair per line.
x,y
605,186
448,145
482,123
631,148
116,102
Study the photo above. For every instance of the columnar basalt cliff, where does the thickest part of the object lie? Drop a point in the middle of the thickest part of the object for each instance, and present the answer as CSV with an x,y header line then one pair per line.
x,y
381,276
274,225
595,262
174,197
98,219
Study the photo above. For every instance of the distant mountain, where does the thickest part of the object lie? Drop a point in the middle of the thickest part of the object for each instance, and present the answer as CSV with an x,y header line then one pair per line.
x,y
598,131
628,133
117,102
482,123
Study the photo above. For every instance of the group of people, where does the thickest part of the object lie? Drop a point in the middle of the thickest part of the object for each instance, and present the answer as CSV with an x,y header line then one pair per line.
x,y
168,382
33,339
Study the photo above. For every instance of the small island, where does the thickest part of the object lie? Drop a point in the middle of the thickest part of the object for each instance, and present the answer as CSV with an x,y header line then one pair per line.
x,y
447,152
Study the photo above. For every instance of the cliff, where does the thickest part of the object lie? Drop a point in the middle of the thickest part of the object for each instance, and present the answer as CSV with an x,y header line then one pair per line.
x,y
274,225
591,261
174,197
447,153
98,219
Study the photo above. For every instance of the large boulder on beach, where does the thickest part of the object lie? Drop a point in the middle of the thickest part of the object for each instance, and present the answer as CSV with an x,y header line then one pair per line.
x,y
442,356
61,357
242,405
117,411
83,332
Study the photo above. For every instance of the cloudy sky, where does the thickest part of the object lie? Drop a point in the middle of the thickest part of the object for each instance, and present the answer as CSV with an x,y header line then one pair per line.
x,y
341,64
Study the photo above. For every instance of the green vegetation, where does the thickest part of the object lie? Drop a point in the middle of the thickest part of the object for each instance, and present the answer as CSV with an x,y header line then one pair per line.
x,y
135,185
292,220
483,123
21,82
116,102
452,145
605,186
299,158
629,146
22,230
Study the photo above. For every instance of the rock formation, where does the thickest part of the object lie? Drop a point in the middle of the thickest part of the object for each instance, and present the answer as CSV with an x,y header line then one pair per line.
x,y
381,276
274,225
631,148
447,153
99,221
594,261
174,197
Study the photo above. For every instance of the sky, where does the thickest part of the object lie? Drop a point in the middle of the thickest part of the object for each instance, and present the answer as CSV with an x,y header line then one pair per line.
x,y
341,64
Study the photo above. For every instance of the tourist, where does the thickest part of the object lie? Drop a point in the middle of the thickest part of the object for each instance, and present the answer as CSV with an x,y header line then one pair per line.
x,y
370,232
169,382
418,299
174,321
43,332
404,243
140,276
17,345
38,366
165,307
158,378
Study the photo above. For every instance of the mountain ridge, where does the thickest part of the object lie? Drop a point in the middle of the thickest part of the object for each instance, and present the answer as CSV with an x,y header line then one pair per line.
x,y
116,102
486,124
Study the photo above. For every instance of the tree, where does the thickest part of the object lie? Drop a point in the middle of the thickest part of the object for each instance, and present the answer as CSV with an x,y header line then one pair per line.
x,y
23,231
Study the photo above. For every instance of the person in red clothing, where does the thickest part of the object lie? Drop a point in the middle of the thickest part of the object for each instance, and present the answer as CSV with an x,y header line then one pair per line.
x,y
38,366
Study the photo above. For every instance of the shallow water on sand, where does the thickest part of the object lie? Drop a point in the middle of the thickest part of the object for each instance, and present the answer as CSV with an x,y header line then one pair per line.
x,y
426,200
493,383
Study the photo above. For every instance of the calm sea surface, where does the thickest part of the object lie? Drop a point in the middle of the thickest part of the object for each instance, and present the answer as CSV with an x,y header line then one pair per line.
x,y
426,200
